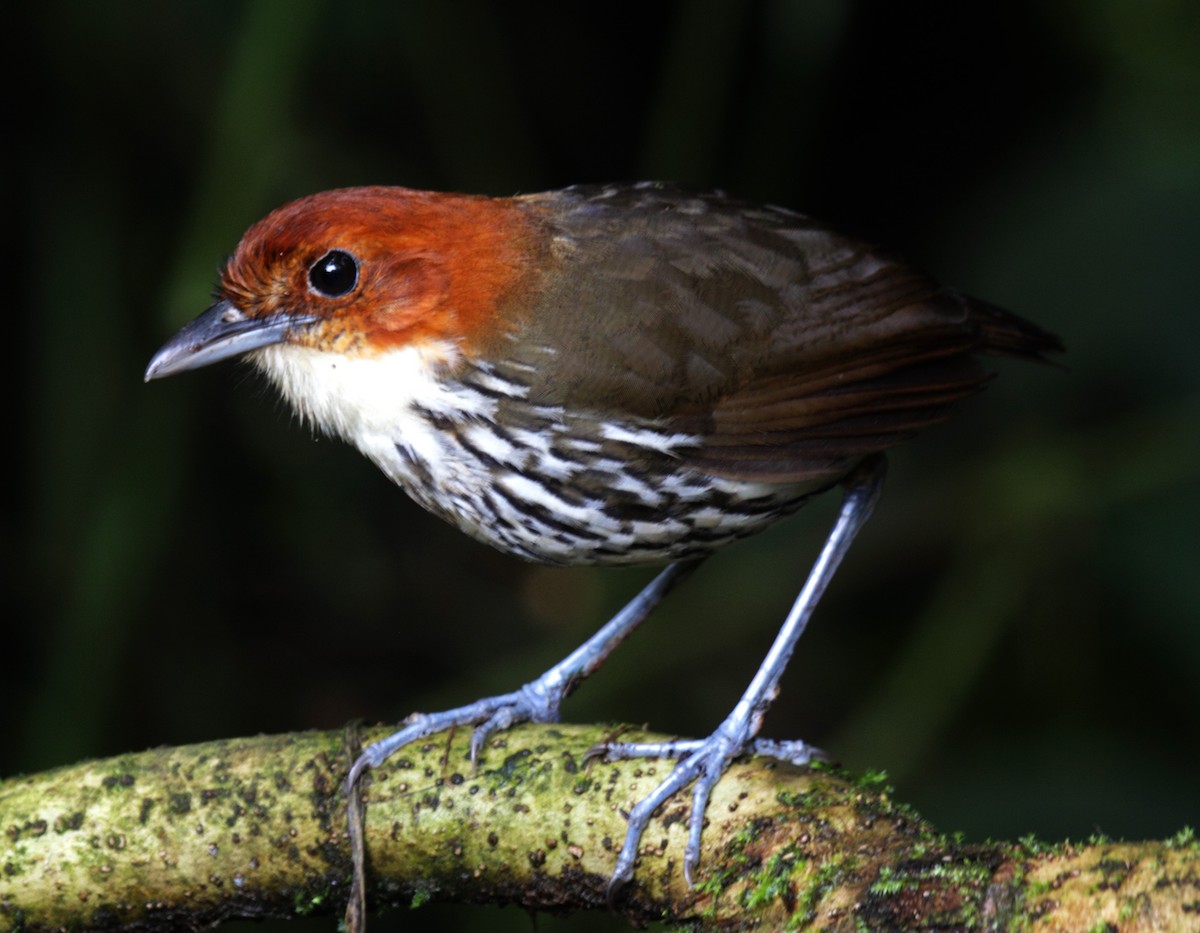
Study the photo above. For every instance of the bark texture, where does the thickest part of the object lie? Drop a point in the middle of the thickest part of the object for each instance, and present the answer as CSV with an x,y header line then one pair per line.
x,y
251,828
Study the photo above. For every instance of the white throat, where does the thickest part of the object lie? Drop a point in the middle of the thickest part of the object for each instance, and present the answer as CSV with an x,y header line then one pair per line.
x,y
382,403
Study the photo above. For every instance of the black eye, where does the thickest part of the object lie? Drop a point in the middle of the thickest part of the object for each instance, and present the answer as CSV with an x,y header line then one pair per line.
x,y
334,274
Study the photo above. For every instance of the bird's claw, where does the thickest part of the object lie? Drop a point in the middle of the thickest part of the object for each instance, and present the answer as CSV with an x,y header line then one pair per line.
x,y
534,702
702,761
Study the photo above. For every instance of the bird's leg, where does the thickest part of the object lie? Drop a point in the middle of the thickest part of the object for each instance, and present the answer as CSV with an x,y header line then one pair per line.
x,y
538,700
705,761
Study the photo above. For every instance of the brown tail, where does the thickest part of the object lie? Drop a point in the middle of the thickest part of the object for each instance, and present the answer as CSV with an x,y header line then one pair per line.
x,y
1005,332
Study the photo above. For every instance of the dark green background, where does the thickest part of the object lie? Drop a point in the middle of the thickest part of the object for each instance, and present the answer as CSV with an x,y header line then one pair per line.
x,y
1016,638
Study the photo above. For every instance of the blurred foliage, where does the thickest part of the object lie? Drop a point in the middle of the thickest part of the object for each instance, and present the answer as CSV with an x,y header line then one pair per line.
x,y
1015,639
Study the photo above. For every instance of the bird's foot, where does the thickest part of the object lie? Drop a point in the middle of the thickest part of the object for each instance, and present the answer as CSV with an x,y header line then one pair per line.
x,y
540,699
536,701
702,761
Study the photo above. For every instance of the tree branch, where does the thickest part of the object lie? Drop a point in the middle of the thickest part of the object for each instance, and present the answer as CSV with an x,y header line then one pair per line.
x,y
256,828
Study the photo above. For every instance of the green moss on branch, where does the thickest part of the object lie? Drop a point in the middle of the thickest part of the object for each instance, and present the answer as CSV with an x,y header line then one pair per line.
x,y
256,828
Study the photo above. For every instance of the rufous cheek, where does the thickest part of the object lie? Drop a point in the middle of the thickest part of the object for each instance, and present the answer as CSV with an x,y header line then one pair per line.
x,y
404,296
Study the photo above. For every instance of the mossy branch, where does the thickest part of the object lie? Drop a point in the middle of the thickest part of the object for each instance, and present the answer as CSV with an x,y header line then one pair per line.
x,y
256,828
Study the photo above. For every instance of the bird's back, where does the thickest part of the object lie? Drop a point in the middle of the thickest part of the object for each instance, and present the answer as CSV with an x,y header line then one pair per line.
x,y
788,350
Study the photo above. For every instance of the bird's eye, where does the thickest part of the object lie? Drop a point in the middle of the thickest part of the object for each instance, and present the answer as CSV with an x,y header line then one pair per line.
x,y
334,274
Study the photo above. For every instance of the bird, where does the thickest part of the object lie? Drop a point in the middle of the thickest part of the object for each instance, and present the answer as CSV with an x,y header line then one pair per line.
x,y
623,374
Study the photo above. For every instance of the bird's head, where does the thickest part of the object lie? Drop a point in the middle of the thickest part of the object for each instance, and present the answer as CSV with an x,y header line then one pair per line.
x,y
359,272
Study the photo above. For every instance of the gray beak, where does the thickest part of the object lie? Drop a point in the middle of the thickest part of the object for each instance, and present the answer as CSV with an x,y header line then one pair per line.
x,y
220,333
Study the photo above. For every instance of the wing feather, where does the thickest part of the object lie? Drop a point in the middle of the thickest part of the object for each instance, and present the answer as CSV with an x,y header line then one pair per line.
x,y
790,351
